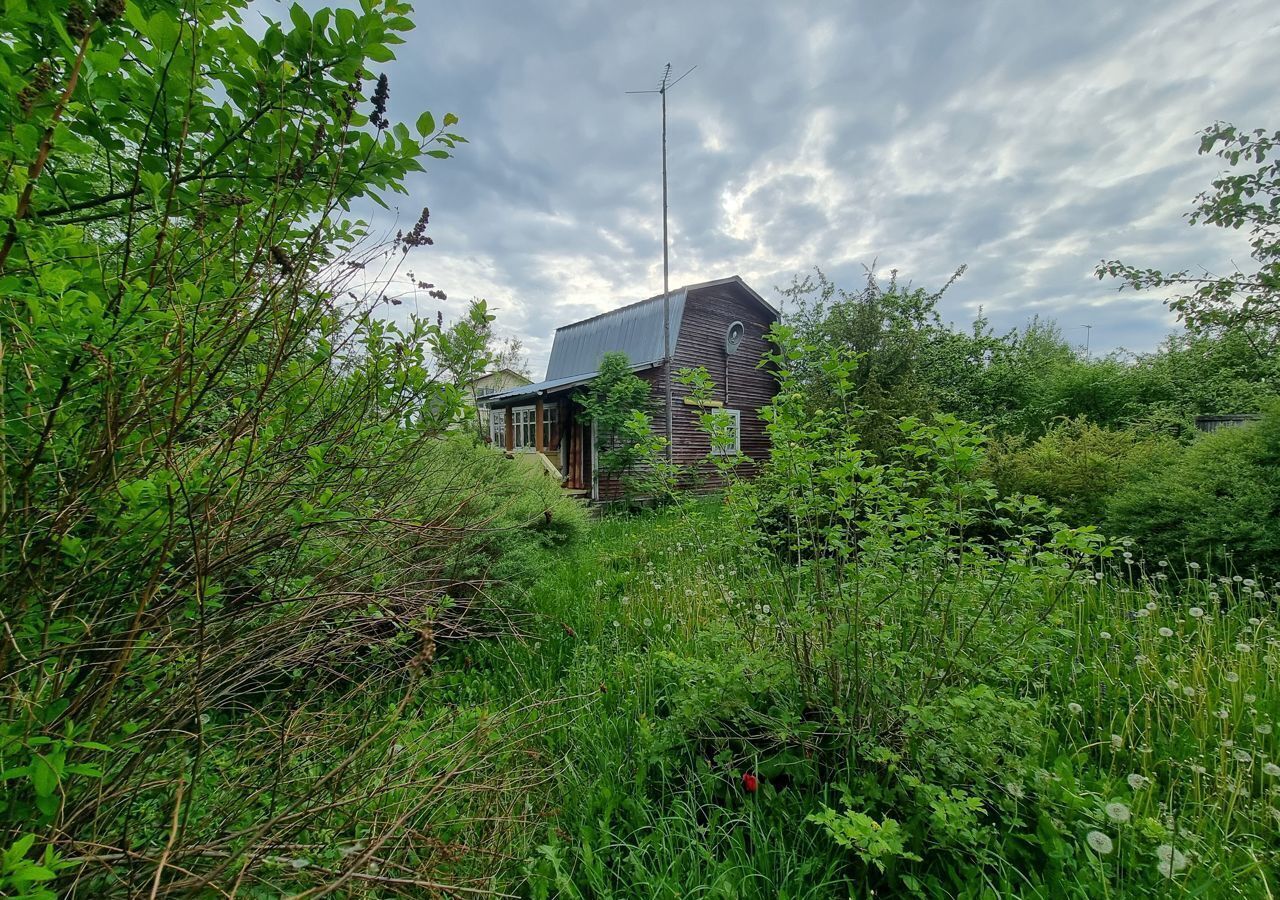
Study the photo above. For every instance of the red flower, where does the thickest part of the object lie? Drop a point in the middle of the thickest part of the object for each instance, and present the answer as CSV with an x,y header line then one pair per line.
x,y
750,782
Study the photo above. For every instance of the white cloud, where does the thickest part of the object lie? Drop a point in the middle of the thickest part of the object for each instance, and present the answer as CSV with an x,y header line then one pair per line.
x,y
1028,139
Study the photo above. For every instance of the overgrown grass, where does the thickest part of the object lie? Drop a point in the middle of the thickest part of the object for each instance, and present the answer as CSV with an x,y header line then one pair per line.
x,y
1125,747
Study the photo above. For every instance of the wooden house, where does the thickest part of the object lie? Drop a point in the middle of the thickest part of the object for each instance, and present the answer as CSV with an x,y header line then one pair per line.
x,y
719,325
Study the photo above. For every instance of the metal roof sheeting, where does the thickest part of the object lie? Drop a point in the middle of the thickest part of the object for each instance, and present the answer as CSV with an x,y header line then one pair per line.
x,y
635,330
529,391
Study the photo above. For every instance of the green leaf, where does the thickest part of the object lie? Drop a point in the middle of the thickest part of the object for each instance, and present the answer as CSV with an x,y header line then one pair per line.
x,y
44,777
298,16
450,119
426,124
163,31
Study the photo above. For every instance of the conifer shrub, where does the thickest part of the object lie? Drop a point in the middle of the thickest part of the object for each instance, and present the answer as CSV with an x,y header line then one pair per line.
x,y
1217,502
1077,465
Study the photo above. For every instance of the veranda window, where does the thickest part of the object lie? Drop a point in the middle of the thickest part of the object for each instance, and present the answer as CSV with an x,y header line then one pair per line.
x,y
551,427
524,421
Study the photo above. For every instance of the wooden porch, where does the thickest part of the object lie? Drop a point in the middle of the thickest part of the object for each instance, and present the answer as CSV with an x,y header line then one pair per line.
x,y
550,430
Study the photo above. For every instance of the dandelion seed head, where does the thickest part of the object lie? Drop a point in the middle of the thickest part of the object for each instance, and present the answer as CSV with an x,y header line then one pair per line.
x,y
1118,812
1166,631
1075,708
1271,769
1136,781
1099,843
1232,677
1196,612
1105,635
1171,864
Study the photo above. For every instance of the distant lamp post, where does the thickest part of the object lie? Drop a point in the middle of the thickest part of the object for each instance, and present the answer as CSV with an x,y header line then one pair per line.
x,y
1088,334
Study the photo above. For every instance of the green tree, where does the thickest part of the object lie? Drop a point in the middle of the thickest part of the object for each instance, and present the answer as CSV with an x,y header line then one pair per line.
x,y
1236,200
222,477
884,328
620,402
1217,502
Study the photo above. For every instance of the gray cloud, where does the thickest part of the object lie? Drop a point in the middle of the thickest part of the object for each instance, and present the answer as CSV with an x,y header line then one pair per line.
x,y
1026,139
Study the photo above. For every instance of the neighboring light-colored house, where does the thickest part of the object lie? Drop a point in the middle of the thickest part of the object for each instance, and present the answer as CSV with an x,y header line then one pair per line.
x,y
479,390
719,325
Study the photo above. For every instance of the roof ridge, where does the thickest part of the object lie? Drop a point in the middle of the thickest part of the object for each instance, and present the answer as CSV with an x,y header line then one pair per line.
x,y
685,289
618,309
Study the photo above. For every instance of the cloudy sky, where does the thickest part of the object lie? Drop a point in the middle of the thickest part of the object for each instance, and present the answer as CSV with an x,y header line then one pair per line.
x,y
1025,139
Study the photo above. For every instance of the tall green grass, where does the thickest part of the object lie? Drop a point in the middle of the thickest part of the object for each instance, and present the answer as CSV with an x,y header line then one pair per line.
x,y
1124,747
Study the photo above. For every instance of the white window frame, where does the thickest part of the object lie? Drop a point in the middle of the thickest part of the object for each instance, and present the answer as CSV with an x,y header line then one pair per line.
x,y
524,417
736,415
498,428
550,416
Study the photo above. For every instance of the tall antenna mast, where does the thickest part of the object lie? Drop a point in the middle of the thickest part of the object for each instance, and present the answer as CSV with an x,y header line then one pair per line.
x,y
665,85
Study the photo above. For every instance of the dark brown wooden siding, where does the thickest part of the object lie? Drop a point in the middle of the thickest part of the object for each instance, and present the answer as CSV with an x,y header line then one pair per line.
x,y
740,383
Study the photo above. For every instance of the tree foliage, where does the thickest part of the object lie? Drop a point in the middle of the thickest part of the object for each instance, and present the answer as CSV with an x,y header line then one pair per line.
x,y
1217,503
619,402
884,327
1236,200
224,494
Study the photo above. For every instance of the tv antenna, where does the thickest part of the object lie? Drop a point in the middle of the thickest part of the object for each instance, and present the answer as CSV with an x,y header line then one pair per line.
x,y
666,84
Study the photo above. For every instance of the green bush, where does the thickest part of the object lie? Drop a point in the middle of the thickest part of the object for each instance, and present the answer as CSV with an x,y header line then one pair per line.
x,y
523,511
1216,502
1077,465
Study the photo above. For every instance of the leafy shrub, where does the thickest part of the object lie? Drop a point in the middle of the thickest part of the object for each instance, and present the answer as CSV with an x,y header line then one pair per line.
x,y
234,533
1217,501
1077,465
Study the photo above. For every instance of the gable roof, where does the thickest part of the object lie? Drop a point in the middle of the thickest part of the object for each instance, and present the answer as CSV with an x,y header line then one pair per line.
x,y
512,374
635,330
